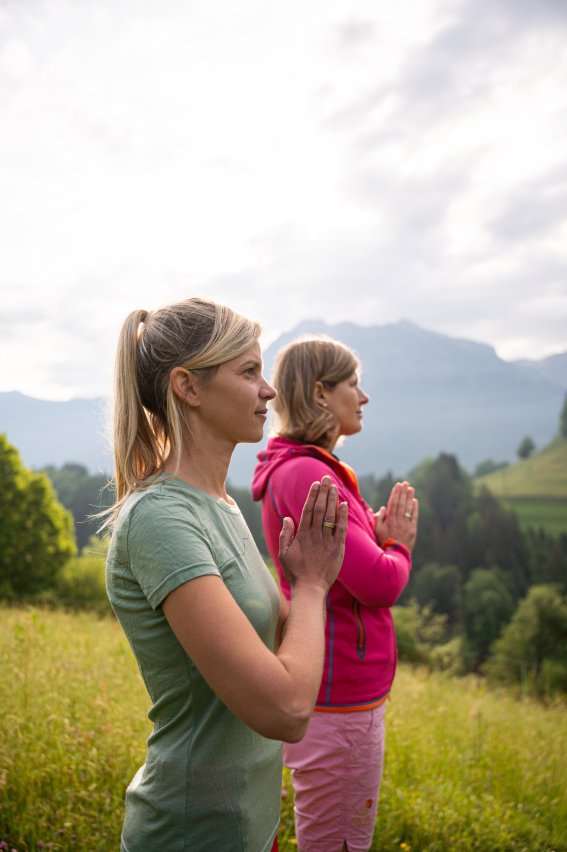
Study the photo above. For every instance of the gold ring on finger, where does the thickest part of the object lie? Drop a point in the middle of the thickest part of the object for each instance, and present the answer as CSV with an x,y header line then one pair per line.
x,y
407,515
329,524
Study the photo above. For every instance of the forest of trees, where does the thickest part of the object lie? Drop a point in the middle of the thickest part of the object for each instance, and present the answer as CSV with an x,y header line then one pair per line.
x,y
476,569
484,596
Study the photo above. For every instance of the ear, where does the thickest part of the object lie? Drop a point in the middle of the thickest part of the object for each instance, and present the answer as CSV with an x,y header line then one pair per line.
x,y
184,386
319,394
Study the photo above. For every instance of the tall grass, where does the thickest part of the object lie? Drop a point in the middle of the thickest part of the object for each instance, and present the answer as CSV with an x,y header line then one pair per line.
x,y
72,730
466,768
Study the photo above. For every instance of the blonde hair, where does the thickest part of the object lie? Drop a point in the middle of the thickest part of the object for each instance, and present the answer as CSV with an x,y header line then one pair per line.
x,y
149,419
298,366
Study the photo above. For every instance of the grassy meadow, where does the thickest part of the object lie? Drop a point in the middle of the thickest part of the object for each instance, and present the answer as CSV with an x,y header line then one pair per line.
x,y
535,488
550,515
466,768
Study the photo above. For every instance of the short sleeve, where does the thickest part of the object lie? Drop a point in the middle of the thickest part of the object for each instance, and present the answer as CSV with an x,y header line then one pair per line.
x,y
167,546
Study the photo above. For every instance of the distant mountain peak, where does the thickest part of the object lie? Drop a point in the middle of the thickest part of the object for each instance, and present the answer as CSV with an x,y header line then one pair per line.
x,y
429,392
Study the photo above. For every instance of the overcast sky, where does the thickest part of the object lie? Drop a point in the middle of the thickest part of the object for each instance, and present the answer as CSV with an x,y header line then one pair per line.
x,y
364,161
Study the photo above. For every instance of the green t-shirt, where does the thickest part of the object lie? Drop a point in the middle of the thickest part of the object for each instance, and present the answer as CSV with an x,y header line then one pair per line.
x,y
209,781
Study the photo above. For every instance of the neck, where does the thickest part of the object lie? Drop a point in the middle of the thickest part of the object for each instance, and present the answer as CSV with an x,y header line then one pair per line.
x,y
205,468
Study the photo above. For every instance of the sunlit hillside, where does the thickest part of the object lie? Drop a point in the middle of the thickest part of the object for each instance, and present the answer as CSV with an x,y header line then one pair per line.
x,y
536,488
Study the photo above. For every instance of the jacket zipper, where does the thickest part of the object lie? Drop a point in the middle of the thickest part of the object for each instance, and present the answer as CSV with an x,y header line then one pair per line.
x,y
360,630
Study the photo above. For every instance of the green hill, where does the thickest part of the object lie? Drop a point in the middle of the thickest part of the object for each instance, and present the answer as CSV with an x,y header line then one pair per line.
x,y
535,488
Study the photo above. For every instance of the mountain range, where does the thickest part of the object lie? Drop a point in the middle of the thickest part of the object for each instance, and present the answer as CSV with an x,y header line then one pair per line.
x,y
428,393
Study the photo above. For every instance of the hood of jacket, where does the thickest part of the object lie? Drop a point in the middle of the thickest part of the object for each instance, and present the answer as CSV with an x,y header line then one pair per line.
x,y
278,451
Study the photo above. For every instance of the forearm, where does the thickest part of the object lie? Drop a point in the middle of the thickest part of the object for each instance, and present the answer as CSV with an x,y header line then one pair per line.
x,y
374,576
282,621
386,580
301,654
272,693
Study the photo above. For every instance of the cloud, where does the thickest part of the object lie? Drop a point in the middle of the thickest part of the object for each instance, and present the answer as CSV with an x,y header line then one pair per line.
x,y
533,210
517,14
402,161
355,32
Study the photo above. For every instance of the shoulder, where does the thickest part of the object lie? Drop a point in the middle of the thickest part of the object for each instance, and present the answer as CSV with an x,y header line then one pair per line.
x,y
158,509
161,498
290,483
302,467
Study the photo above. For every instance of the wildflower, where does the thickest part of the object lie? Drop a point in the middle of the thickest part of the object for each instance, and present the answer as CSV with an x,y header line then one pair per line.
x,y
405,847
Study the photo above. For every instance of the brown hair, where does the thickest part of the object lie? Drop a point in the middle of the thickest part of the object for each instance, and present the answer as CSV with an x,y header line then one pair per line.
x,y
149,419
299,365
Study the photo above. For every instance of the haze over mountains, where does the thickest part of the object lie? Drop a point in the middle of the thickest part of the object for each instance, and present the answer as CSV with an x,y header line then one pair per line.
x,y
429,393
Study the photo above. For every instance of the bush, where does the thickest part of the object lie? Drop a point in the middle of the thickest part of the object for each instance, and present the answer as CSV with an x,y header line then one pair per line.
x,y
534,642
554,677
81,583
36,532
448,657
417,631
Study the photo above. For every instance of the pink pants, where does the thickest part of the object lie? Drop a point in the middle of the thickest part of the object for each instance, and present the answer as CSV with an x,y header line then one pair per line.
x,y
336,772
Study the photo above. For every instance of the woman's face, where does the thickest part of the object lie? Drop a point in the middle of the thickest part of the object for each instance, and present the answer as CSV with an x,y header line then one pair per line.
x,y
345,401
234,403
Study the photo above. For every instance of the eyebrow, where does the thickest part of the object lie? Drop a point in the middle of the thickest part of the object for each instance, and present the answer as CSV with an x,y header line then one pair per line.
x,y
251,363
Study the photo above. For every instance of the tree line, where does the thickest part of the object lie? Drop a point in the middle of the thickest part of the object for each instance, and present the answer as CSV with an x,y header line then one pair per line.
x,y
477,576
484,595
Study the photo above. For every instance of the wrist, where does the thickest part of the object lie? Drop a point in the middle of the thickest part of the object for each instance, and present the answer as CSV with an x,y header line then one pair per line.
x,y
309,588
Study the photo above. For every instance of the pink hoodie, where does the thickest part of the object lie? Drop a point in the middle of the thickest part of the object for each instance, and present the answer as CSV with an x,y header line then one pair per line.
x,y
360,654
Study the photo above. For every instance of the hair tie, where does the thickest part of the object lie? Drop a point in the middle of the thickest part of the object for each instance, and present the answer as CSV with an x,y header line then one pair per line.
x,y
141,324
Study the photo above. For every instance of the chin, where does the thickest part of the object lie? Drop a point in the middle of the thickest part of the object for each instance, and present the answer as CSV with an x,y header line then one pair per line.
x,y
252,438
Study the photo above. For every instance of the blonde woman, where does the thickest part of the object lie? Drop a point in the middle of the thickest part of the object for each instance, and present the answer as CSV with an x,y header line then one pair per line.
x,y
187,583
337,768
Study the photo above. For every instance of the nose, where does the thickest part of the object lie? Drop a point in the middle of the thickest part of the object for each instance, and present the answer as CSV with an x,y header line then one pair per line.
x,y
267,391
364,398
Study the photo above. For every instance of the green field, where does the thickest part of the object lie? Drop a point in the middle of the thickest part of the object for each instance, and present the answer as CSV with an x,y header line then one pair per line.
x,y
535,488
466,768
545,514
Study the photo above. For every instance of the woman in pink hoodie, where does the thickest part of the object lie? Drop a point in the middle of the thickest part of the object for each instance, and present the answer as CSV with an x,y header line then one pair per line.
x,y
337,768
